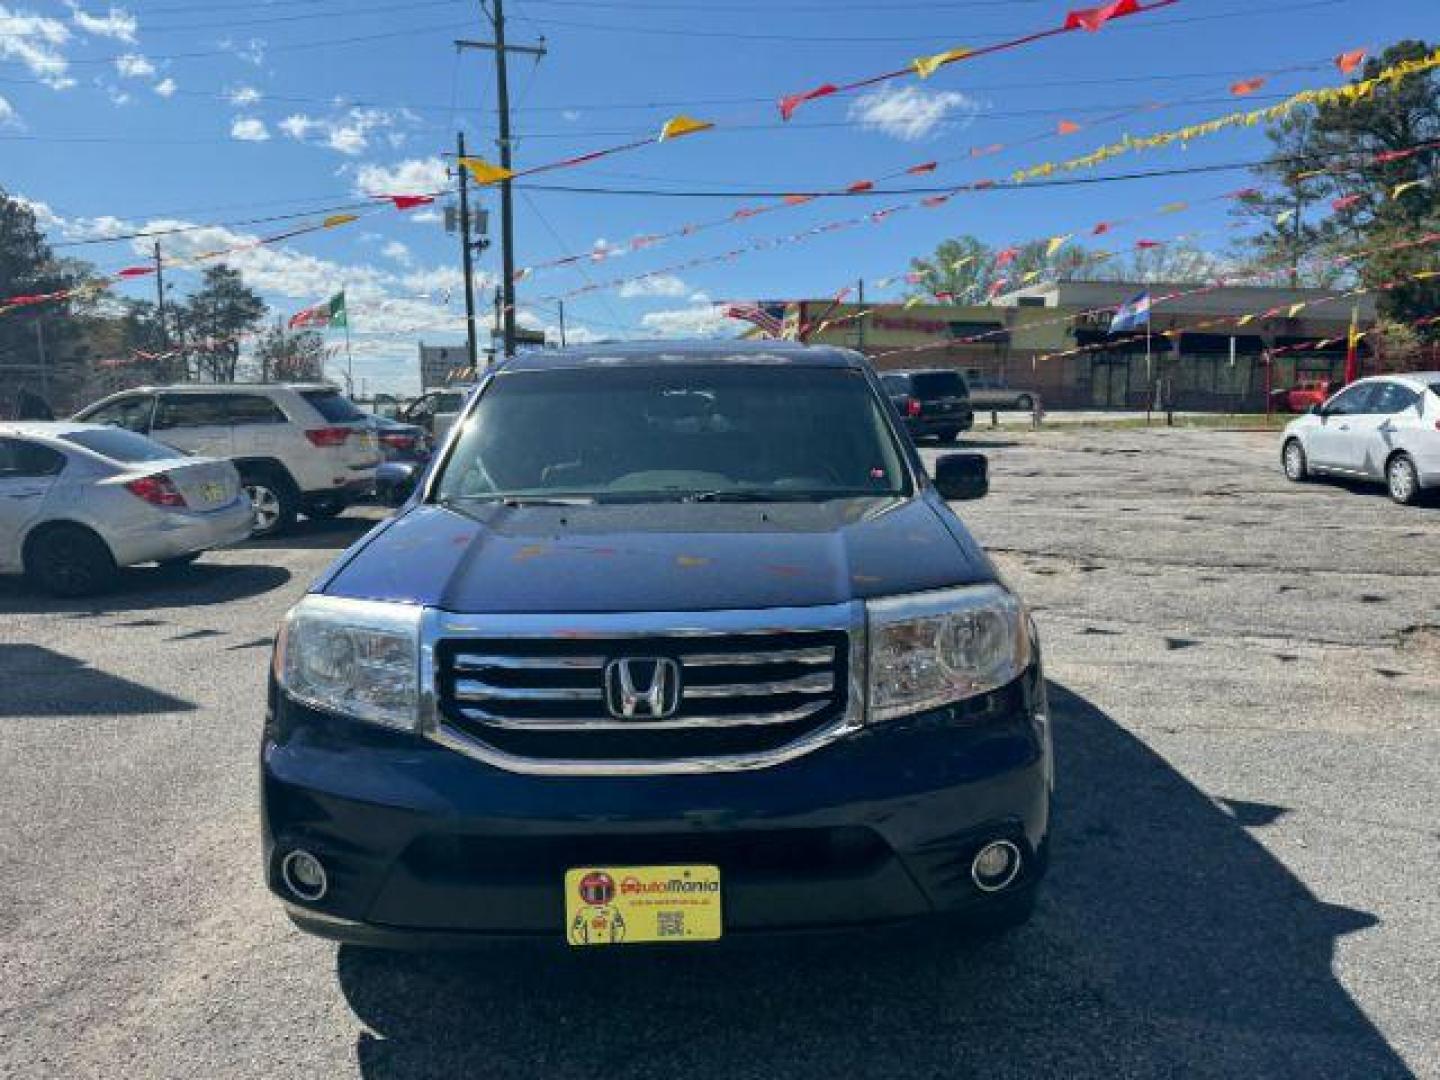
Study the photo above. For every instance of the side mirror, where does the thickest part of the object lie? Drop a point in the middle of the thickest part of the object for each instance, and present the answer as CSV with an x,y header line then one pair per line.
x,y
395,482
962,476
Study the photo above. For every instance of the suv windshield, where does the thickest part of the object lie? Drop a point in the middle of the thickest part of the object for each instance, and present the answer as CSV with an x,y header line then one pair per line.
x,y
333,406
938,384
651,433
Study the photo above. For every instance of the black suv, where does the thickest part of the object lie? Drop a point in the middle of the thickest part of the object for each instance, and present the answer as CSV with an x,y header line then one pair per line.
x,y
933,403
671,642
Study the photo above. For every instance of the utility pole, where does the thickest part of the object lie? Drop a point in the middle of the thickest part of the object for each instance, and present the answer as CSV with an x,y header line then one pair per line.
x,y
860,318
562,322
44,361
507,212
1295,241
160,299
467,253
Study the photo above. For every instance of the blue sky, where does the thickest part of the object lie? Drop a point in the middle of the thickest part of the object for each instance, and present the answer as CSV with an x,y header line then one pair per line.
x,y
161,114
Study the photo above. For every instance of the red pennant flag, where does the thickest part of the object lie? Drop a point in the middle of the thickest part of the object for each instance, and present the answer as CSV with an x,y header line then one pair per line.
x,y
1101,229
1146,245
945,297
997,286
982,185
921,170
1067,127
1243,193
1247,86
408,202
914,277
981,151
1349,61
859,186
934,201
135,271
1006,256
1344,202
798,200
788,105
1394,155
1093,19
745,212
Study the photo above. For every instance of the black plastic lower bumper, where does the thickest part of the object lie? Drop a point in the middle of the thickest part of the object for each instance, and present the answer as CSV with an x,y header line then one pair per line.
x,y
425,846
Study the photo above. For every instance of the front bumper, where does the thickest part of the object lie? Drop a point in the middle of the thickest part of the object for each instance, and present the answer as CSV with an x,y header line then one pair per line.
x,y
923,426
426,846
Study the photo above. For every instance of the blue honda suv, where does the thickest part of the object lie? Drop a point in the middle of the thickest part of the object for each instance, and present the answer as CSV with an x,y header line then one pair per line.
x,y
670,643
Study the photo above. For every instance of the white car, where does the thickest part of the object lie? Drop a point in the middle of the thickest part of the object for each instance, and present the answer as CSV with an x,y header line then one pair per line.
x,y
78,501
300,447
1385,428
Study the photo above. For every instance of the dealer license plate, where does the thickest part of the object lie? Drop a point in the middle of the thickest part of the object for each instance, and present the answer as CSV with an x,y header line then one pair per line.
x,y
632,905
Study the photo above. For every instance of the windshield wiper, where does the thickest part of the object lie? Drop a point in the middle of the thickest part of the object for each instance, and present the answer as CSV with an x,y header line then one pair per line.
x,y
517,501
760,496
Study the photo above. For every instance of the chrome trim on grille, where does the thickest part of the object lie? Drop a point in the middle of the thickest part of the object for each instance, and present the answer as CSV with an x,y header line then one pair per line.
x,y
476,662
808,684
440,626
475,690
779,656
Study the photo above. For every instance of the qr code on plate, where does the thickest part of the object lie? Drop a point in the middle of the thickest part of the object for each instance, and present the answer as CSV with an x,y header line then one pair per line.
x,y
670,924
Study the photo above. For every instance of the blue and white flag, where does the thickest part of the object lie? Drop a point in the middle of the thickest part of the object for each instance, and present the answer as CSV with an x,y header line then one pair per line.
x,y
1132,314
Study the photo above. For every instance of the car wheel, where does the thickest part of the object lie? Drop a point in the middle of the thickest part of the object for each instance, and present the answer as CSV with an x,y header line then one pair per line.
x,y
273,502
948,436
1025,403
69,560
1297,469
1402,479
323,509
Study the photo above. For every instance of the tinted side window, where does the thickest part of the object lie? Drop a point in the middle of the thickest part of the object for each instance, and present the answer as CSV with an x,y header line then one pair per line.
x,y
131,413
245,409
191,410
940,384
333,406
895,384
26,459
1394,398
1352,400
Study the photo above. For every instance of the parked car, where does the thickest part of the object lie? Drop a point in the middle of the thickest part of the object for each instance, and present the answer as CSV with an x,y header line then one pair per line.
x,y
1385,429
436,411
988,392
672,642
78,501
300,448
401,442
933,403
1304,395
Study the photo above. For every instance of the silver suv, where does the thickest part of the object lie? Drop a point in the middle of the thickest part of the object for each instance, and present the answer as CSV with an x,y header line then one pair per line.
x,y
300,448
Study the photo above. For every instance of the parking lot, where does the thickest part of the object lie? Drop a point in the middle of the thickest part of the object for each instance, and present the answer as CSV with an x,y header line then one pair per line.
x,y
1245,676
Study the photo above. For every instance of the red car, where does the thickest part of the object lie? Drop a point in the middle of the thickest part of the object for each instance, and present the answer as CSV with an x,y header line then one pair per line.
x,y
1304,394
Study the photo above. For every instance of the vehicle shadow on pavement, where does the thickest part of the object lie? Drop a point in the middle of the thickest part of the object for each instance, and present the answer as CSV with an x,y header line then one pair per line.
x,y
334,534
1169,943
148,588
41,682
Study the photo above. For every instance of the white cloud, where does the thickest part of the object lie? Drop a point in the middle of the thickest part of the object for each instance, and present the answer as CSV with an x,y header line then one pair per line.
x,y
571,115
117,96
36,41
910,113
700,321
700,296
117,23
425,217
660,285
446,279
414,176
348,132
251,52
165,87
8,116
243,95
397,251
249,129
134,66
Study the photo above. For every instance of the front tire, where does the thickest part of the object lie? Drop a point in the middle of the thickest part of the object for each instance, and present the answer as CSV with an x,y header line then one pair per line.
x,y
324,508
273,501
69,561
1402,480
1297,467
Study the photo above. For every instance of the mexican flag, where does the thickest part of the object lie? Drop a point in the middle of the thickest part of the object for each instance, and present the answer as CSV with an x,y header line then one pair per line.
x,y
330,313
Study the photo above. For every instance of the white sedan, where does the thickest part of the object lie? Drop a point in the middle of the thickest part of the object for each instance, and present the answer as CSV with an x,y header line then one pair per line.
x,y
1385,429
78,501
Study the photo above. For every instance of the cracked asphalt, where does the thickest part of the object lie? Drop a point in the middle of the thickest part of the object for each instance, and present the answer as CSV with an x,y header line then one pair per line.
x,y
1246,688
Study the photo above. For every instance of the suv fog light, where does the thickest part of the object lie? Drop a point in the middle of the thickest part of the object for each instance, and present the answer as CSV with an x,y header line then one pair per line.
x,y
995,866
304,875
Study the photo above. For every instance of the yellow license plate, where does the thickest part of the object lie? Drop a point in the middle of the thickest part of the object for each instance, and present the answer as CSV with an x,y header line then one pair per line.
x,y
212,492
632,905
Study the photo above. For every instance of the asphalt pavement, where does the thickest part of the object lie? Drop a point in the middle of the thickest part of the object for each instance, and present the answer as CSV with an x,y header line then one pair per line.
x,y
1246,687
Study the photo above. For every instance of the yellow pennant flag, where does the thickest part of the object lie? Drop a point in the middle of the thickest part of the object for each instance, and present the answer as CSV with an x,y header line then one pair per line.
x,y
913,301
1400,189
926,66
482,172
1295,309
338,219
1284,216
683,125
1055,244
1425,275
1173,208
1245,319
1029,276
958,263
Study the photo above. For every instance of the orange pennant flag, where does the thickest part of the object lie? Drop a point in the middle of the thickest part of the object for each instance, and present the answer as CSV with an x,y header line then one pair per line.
x,y
798,200
1247,86
338,219
859,186
1067,127
1349,61
683,125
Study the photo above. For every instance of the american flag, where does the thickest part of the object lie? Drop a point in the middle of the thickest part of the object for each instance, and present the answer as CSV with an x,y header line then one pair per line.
x,y
757,314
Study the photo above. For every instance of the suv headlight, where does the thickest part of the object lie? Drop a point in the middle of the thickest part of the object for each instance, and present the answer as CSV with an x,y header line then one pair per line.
x,y
931,649
358,658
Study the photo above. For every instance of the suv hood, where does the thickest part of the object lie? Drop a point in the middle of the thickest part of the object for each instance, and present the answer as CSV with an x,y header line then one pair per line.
x,y
668,557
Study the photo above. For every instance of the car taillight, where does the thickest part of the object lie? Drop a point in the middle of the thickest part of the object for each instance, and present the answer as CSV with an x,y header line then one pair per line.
x,y
912,406
157,490
328,436
398,441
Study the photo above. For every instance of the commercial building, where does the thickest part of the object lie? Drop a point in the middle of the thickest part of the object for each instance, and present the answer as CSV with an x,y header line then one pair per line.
x,y
440,365
1208,348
